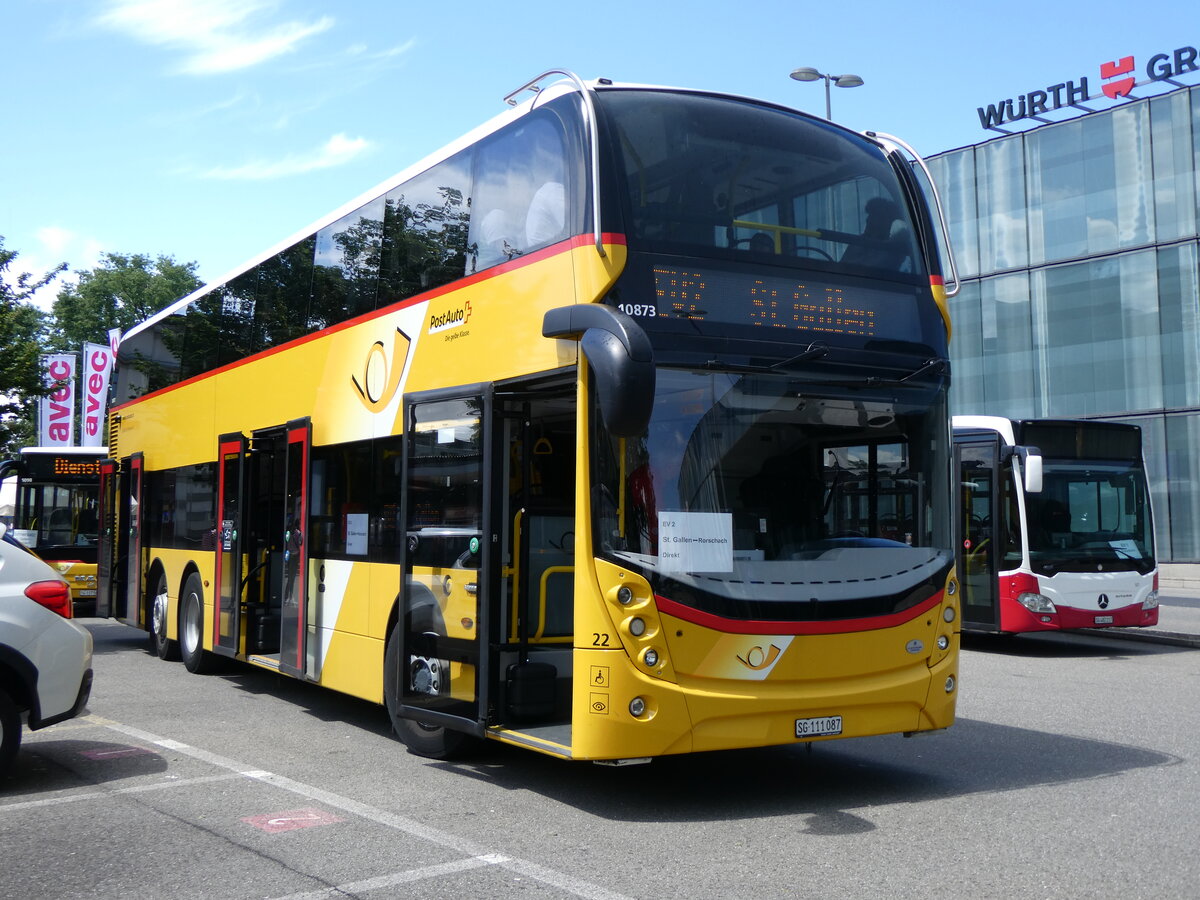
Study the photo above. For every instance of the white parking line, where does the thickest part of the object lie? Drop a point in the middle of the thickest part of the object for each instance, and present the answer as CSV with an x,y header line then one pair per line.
x,y
100,795
477,855
386,881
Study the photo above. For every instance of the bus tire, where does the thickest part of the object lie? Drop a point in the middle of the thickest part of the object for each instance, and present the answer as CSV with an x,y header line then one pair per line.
x,y
10,731
430,741
196,659
160,645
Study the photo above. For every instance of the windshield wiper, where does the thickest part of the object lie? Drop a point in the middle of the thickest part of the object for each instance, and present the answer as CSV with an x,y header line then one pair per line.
x,y
936,365
815,350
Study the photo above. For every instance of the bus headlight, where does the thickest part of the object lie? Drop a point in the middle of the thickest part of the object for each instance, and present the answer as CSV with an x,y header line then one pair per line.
x,y
637,707
650,657
1151,601
943,642
1036,603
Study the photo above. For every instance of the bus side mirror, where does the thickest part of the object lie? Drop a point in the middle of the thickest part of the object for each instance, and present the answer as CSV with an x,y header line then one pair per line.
x,y
620,358
1031,463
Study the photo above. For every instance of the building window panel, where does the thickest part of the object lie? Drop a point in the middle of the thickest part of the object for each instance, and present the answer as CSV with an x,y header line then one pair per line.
x,y
1174,177
1183,486
954,175
1178,293
1003,239
969,364
1008,349
1099,334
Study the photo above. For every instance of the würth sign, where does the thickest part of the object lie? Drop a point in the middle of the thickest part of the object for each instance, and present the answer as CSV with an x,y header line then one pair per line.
x,y
1118,79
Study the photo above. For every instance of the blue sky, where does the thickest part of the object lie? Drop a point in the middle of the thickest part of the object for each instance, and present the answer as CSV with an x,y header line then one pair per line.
x,y
210,130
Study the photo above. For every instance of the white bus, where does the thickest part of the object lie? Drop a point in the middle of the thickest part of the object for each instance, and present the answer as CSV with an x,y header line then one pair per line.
x,y
1055,528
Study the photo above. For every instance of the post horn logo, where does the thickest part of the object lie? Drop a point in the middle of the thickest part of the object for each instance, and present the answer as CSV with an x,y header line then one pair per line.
x,y
758,659
380,377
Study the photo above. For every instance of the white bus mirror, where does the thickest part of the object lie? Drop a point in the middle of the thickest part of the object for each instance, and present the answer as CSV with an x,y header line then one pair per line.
x,y
1032,458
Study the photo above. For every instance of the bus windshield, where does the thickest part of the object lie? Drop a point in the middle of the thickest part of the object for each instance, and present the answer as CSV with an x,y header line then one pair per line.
x,y
1089,514
750,496
57,517
706,173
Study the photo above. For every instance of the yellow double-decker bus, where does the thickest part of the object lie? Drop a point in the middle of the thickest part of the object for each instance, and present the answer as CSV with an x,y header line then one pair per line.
x,y
616,429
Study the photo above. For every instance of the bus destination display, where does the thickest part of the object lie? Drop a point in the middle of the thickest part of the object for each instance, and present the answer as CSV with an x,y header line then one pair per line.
x,y
56,467
777,302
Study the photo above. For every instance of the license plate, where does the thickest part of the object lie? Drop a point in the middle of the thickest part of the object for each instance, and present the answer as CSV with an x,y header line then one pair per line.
x,y
1103,620
90,592
822,726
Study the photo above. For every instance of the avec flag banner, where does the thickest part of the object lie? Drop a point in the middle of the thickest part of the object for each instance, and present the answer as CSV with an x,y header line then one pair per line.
x,y
97,367
56,413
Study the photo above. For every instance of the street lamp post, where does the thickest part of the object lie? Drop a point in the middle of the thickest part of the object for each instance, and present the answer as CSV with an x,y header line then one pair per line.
x,y
808,73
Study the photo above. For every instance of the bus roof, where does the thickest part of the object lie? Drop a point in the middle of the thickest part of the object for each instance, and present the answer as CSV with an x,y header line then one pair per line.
x,y
557,89
67,451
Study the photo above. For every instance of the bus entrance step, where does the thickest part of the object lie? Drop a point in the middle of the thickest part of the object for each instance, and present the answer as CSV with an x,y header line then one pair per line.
x,y
530,693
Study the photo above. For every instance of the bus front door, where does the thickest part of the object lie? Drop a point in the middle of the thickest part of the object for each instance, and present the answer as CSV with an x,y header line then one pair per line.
x,y
979,514
449,558
107,532
231,483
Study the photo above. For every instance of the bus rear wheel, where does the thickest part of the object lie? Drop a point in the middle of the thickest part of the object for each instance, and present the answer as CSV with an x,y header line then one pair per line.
x,y
191,627
160,644
430,741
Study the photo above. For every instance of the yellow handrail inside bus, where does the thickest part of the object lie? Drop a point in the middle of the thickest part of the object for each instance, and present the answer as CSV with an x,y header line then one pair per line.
x,y
514,571
549,570
778,230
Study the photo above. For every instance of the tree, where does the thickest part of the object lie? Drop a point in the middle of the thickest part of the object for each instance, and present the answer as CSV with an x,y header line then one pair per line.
x,y
22,329
122,291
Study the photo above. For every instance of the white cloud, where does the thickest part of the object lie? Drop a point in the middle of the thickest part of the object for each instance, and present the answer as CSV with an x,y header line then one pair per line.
x,y
55,245
337,151
213,35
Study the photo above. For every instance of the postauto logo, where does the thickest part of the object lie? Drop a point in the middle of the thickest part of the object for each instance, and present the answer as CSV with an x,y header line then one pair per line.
x,y
451,318
1118,79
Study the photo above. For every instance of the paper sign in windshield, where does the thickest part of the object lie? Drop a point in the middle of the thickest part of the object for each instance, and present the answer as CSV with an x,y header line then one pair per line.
x,y
695,542
1126,549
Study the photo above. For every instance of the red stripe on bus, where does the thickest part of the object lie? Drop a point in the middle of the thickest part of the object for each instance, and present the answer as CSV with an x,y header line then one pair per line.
x,y
763,626
565,246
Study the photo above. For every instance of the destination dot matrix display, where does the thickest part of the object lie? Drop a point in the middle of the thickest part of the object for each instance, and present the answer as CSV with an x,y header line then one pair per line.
x,y
774,303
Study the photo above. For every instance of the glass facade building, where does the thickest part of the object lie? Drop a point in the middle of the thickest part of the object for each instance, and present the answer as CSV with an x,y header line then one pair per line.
x,y
1077,244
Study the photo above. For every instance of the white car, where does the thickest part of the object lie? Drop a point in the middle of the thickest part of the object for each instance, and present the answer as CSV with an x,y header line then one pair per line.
x,y
45,658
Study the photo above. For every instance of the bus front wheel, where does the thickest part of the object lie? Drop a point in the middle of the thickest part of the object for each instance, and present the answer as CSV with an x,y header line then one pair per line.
x,y
431,741
191,627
